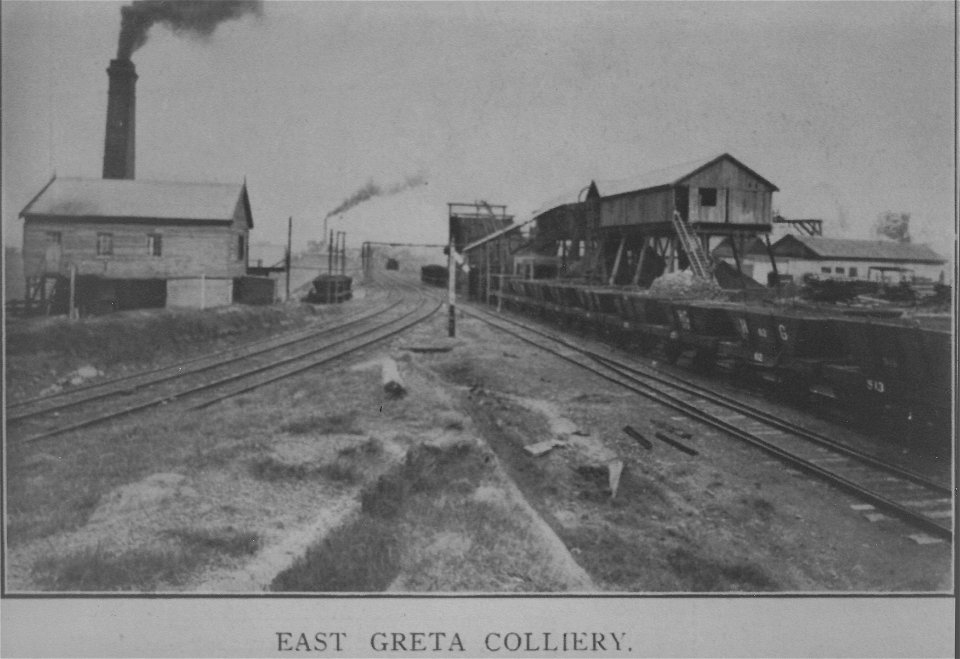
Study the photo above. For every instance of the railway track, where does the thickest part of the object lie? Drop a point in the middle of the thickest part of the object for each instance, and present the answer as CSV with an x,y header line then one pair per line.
x,y
921,502
17,411
212,378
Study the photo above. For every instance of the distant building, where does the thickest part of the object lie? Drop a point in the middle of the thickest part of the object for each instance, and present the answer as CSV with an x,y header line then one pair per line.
x,y
836,258
134,243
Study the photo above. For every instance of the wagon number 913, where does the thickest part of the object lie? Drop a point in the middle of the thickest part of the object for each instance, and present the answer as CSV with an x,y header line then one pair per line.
x,y
875,385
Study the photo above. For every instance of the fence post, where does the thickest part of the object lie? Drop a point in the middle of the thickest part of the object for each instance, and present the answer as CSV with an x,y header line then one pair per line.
x,y
72,313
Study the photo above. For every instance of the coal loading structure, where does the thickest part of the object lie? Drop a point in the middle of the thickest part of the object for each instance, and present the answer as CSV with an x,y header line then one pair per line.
x,y
636,265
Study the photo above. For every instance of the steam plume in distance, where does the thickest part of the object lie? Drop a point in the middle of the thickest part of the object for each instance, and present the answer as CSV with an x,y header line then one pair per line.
x,y
894,225
199,18
371,189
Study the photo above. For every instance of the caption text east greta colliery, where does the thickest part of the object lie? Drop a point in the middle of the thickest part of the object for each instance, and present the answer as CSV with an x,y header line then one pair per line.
x,y
452,642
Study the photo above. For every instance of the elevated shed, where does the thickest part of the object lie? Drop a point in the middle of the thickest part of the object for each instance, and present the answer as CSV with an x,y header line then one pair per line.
x,y
664,220
710,194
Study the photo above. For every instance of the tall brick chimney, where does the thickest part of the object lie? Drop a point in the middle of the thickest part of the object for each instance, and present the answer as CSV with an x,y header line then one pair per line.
x,y
120,143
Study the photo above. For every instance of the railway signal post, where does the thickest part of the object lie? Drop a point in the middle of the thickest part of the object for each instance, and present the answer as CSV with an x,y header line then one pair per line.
x,y
451,287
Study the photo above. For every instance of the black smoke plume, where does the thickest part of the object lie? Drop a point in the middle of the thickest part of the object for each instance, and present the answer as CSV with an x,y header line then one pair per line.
x,y
371,190
894,225
198,18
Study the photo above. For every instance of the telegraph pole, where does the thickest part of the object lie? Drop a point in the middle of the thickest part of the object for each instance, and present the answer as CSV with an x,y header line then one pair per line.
x,y
451,285
289,243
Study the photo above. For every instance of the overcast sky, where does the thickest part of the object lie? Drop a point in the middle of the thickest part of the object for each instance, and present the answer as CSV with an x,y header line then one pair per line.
x,y
847,107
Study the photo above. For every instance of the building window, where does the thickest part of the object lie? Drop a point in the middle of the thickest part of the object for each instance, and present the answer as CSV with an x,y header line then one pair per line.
x,y
839,271
708,197
155,244
853,272
104,244
240,246
53,237
825,271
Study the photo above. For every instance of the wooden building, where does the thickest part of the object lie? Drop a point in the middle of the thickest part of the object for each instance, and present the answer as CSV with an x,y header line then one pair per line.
x,y
665,220
631,231
129,244
709,194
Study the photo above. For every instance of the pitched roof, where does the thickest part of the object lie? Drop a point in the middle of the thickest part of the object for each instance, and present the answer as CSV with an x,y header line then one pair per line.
x,y
874,250
124,198
664,176
671,175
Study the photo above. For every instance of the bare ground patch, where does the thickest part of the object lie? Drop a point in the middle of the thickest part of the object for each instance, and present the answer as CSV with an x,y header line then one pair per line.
x,y
435,492
727,519
423,527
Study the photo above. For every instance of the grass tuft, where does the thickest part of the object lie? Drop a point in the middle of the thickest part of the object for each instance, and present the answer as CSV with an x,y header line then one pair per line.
x,y
365,555
323,424
360,557
229,541
270,469
372,447
427,468
340,471
707,575
343,469
138,337
98,569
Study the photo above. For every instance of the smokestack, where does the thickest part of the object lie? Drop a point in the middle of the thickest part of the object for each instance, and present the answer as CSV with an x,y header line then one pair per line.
x,y
120,141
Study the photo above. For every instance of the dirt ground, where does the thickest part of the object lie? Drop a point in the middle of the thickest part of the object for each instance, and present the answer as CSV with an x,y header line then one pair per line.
x,y
325,482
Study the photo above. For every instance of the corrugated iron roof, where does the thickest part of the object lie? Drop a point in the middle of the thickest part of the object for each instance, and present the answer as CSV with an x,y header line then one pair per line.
x,y
119,198
879,250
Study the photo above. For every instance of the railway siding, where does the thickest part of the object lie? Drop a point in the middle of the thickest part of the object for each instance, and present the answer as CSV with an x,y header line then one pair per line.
x,y
306,467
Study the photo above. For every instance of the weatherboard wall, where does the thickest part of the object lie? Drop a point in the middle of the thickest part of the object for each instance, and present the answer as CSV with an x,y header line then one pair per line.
x,y
644,207
189,250
741,197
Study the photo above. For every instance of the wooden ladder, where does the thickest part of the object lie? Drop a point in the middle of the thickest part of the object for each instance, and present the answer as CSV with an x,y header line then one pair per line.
x,y
700,263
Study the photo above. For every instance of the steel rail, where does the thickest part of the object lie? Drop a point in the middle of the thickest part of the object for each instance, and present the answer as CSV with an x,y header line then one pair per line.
x,y
315,363
636,385
285,339
747,410
780,424
166,398
175,371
